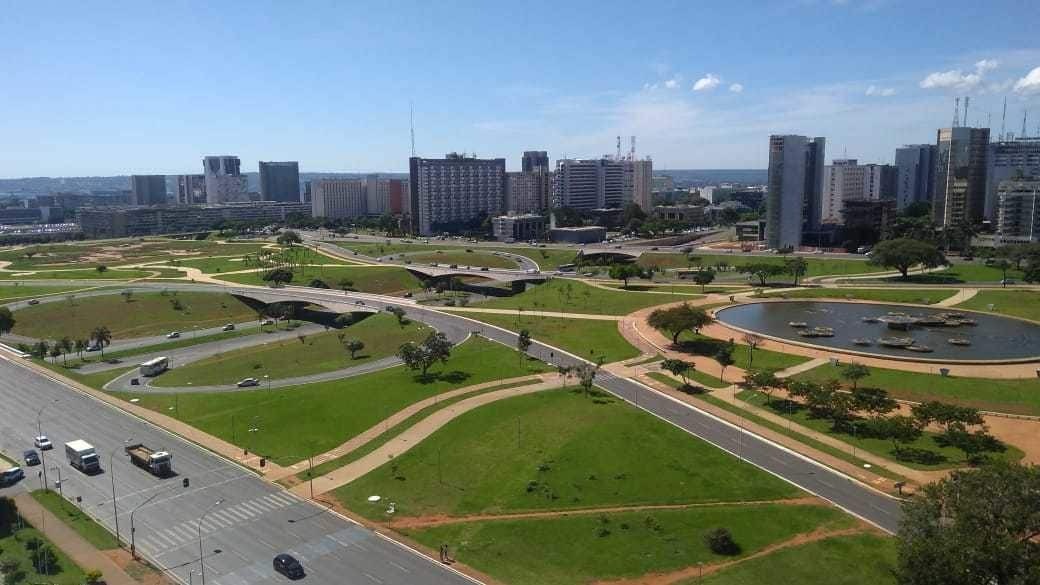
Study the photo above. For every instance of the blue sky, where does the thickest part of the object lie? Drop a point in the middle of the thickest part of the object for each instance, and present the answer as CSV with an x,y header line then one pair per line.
x,y
137,87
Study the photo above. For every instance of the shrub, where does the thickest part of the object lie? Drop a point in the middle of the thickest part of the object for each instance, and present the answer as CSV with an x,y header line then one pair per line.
x,y
721,542
93,577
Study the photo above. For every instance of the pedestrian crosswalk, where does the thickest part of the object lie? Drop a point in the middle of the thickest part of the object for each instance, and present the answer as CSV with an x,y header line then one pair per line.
x,y
218,519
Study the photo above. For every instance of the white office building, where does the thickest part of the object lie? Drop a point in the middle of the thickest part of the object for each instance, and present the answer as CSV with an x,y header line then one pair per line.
x,y
224,180
338,198
795,188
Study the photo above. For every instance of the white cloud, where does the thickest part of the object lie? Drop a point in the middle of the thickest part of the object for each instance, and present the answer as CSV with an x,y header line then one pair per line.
x,y
986,65
707,83
960,80
672,83
874,90
736,88
1029,84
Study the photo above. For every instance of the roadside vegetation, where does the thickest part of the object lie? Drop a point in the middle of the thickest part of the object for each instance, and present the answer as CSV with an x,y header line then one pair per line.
x,y
586,338
388,280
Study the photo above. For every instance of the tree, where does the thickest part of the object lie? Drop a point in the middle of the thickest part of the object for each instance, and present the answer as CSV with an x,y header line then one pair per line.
x,y
80,346
679,368
523,340
353,346
7,320
762,270
101,268
974,444
721,542
973,527
343,320
102,337
676,320
587,375
55,352
945,415
434,348
725,358
40,348
65,345
905,253
624,272
317,283
278,276
346,285
874,401
901,429
764,380
753,341
289,238
704,278
796,267
854,372
399,313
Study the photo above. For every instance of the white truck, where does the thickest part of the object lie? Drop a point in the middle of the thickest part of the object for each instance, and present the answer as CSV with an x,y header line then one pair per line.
x,y
158,463
82,456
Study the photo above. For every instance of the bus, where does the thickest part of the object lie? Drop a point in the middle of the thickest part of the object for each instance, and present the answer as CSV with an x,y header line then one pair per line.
x,y
154,367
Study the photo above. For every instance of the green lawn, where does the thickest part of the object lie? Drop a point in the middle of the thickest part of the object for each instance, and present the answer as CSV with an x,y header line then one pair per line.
x,y
1017,303
12,293
581,337
298,421
964,273
1020,396
557,450
948,457
889,295
118,252
763,359
91,531
816,266
369,279
145,314
13,547
571,296
462,258
694,376
546,258
859,559
110,274
297,255
592,547
316,353
379,250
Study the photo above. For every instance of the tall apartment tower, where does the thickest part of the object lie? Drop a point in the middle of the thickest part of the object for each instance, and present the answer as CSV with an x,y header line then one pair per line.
x,y
960,175
455,192
915,174
793,203
280,181
383,196
224,180
589,184
147,189
535,161
1018,210
338,198
191,189
642,183
847,180
527,192
1008,159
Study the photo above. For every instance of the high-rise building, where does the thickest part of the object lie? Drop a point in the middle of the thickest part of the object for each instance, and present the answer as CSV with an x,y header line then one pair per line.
x,y
338,198
280,181
147,189
224,180
915,178
1018,210
455,192
1008,159
589,184
846,180
527,192
960,175
535,161
795,188
642,183
191,189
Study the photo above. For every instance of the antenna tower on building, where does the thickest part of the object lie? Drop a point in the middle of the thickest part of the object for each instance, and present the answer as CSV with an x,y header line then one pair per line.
x,y
618,155
967,100
1003,120
411,125
1025,115
632,149
956,112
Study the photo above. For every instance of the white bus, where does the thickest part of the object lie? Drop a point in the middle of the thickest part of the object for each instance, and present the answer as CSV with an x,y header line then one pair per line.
x,y
154,367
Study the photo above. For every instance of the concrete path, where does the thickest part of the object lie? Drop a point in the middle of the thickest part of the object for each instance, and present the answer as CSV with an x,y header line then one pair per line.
x,y
961,296
414,435
803,367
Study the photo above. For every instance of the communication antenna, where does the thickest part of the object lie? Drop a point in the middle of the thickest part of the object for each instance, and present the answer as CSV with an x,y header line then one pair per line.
x,y
956,112
1025,114
618,155
632,152
967,100
1003,121
411,125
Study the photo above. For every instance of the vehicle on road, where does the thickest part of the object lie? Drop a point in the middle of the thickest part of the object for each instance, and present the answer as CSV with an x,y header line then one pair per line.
x,y
173,335
1006,281
13,475
94,347
155,366
31,457
82,456
359,302
158,463
228,327
531,271
42,443
267,322
34,301
288,566
247,382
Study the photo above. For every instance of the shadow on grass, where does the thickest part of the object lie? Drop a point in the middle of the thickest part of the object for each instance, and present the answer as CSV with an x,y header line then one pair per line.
x,y
452,377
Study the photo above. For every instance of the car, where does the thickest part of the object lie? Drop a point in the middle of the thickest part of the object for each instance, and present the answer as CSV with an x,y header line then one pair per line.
x,y
173,335
267,322
31,457
1006,281
483,268
34,301
359,302
247,382
13,475
288,566
228,327
42,443
93,347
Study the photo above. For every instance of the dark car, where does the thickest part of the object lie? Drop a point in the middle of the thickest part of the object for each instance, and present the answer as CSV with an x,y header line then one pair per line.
x,y
288,566
31,457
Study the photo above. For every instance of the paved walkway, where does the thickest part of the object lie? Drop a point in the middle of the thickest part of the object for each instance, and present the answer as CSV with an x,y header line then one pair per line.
x,y
72,544
961,296
416,434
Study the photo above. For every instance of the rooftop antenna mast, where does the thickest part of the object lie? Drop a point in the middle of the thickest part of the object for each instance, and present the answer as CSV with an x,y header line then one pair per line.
x,y
411,125
618,155
1025,114
967,100
632,149
1003,120
956,112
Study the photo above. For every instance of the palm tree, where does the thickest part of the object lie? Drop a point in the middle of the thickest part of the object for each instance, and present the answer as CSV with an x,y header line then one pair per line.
x,y
65,344
80,346
102,337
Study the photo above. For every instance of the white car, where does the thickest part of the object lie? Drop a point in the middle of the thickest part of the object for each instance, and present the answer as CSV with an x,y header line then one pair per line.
x,y
267,322
229,327
42,443
173,335
34,301
247,382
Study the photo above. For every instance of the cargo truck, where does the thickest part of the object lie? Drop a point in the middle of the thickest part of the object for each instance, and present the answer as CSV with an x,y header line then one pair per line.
x,y
158,463
82,456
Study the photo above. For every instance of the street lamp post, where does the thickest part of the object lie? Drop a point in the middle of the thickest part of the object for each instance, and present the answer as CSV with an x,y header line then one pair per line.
x,y
112,474
202,562
61,492
133,530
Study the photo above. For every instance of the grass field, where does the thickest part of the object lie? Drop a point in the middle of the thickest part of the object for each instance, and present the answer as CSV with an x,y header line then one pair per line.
x,y
557,450
581,337
889,295
369,279
695,377
1000,395
1017,303
91,274
963,273
763,359
146,314
91,531
379,250
569,296
13,547
118,252
546,258
948,457
213,265
303,420
461,257
859,559
12,293
816,266
322,352
592,547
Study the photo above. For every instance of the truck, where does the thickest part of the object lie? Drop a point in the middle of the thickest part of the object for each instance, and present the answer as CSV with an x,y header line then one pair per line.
x,y
158,463
155,366
82,456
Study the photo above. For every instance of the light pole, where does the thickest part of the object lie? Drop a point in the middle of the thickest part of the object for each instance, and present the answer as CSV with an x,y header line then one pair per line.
x,y
39,433
61,492
112,474
202,563
267,379
133,547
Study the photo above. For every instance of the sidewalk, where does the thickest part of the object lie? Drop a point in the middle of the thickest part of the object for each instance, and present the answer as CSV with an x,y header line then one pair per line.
x,y
79,550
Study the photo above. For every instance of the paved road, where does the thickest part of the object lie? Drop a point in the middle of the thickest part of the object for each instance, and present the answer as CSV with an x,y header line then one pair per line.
x,y
254,522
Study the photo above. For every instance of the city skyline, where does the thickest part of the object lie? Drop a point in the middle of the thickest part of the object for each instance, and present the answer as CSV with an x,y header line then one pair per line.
x,y
690,82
